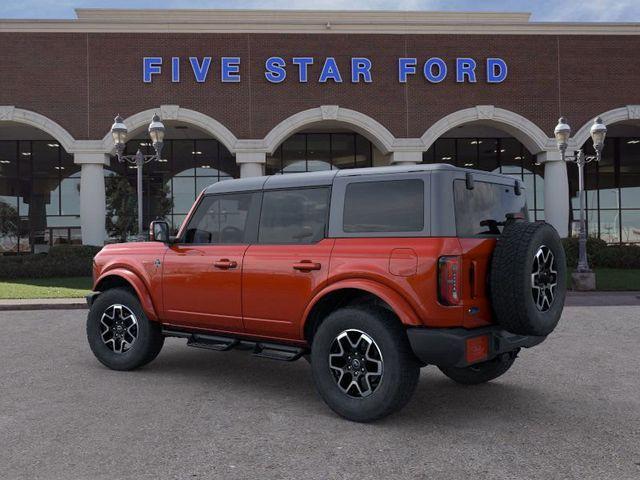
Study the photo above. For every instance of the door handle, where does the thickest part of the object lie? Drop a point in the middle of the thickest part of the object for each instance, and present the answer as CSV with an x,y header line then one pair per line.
x,y
306,266
225,264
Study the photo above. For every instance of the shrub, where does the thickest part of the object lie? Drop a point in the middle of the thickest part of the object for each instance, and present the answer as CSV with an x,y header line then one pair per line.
x,y
618,256
571,249
61,261
599,254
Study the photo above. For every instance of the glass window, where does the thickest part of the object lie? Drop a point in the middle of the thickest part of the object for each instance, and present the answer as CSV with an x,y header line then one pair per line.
x,y
363,152
8,159
387,206
488,151
445,151
184,194
184,152
610,226
481,210
511,156
274,162
294,154
631,226
318,152
294,216
221,219
467,150
343,150
45,157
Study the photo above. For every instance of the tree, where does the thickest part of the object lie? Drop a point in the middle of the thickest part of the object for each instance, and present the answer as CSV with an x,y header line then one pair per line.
x,y
9,221
122,214
122,206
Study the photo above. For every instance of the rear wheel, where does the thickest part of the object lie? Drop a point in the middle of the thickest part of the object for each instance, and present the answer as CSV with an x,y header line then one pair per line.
x,y
362,364
481,372
119,333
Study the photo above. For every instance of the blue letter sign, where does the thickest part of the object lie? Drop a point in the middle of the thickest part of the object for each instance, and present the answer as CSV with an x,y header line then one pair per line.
x,y
200,71
323,70
151,66
275,69
496,70
330,71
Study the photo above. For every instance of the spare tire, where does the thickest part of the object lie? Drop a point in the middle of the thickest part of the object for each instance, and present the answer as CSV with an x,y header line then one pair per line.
x,y
528,278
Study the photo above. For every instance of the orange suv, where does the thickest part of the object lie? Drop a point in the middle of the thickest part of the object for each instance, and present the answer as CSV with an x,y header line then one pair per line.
x,y
370,274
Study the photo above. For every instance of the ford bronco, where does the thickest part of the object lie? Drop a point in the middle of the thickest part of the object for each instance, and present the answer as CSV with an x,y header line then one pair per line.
x,y
370,274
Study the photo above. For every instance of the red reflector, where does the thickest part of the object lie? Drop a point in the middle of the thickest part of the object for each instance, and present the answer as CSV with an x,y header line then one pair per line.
x,y
449,280
477,349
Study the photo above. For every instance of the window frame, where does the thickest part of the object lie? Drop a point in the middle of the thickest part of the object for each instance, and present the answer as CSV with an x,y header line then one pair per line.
x,y
251,228
340,184
325,231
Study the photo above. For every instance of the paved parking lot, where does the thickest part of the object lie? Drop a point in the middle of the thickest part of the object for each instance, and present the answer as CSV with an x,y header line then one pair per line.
x,y
568,409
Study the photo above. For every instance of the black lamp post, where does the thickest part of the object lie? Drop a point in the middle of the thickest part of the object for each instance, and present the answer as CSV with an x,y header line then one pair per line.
x,y
156,132
562,133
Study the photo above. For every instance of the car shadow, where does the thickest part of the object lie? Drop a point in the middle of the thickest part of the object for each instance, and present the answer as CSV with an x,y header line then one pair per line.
x,y
436,400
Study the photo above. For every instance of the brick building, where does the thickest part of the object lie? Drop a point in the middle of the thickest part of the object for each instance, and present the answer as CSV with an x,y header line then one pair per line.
x,y
252,92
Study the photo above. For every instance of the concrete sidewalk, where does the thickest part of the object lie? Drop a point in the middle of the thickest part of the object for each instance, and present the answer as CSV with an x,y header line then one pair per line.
x,y
574,299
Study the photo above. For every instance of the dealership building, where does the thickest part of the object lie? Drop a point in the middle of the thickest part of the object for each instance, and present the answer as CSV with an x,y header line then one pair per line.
x,y
246,93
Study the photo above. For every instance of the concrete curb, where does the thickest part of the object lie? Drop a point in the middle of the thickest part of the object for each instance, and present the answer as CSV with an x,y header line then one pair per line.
x,y
43,304
574,299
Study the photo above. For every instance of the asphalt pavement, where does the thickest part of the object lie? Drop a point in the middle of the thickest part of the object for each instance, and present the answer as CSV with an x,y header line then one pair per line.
x,y
569,408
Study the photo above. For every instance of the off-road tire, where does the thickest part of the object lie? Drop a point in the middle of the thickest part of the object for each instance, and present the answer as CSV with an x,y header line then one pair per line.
x,y
480,372
510,279
149,339
401,369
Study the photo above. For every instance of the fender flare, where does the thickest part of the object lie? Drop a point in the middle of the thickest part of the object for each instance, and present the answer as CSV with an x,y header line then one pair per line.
x,y
137,284
398,304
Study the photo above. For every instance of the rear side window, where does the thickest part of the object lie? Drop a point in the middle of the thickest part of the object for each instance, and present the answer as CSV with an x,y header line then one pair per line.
x,y
479,211
223,219
294,216
385,206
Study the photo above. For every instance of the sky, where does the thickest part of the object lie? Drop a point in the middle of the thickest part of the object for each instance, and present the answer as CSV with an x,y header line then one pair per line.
x,y
542,10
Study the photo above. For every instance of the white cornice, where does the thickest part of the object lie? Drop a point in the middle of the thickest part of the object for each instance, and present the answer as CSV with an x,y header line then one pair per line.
x,y
300,21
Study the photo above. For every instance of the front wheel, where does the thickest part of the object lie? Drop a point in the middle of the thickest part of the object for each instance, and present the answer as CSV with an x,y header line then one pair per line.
x,y
119,333
362,363
481,372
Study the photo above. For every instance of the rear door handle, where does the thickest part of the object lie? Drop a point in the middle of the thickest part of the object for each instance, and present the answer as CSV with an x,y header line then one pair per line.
x,y
306,266
225,264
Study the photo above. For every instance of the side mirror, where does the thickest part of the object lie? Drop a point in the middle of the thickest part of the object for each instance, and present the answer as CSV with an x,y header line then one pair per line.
x,y
159,231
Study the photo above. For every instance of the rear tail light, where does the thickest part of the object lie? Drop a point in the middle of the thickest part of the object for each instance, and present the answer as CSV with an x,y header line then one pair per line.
x,y
449,280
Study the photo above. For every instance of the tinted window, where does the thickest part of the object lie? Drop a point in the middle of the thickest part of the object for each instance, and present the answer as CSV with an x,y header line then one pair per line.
x,y
222,219
478,210
389,206
294,216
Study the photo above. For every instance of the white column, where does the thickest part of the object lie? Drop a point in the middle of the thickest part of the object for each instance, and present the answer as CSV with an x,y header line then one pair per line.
x,y
556,191
251,163
405,158
92,197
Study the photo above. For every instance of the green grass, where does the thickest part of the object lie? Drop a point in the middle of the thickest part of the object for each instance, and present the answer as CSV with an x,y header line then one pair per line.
x,y
615,279
71,287
607,279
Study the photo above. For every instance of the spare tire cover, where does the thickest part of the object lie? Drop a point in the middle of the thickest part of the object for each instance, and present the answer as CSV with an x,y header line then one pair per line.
x,y
528,278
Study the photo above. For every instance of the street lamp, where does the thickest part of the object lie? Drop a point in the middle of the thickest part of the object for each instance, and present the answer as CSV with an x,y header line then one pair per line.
x,y
119,133
562,133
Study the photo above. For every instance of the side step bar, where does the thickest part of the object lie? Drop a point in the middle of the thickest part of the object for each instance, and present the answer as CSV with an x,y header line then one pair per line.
x,y
274,351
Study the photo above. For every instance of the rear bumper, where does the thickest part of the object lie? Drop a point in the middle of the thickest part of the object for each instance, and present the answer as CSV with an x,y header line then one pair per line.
x,y
459,347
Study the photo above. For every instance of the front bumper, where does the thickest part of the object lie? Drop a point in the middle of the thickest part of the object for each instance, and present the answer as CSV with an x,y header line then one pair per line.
x,y
459,347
